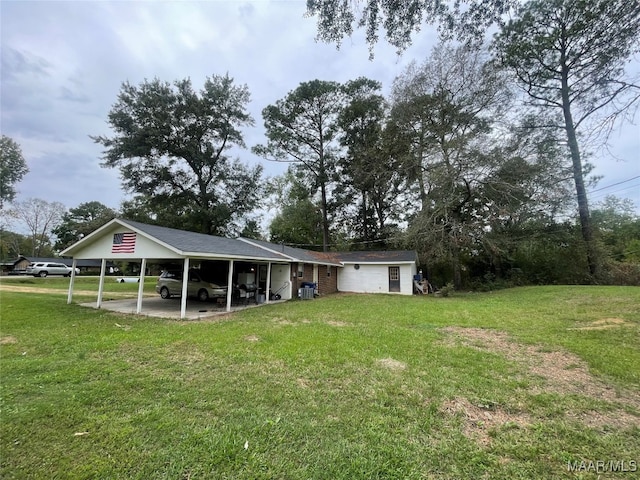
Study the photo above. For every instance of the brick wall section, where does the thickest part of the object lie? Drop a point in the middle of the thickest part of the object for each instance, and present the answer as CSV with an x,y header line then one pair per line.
x,y
327,283
307,276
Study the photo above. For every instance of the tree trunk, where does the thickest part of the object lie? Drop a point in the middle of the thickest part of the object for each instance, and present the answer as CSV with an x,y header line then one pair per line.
x,y
365,223
325,218
583,204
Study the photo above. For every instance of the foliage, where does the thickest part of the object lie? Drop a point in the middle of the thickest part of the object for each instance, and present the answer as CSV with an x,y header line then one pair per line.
x,y
369,196
81,221
171,145
13,245
302,129
343,387
618,227
569,56
12,168
465,20
299,219
472,176
40,218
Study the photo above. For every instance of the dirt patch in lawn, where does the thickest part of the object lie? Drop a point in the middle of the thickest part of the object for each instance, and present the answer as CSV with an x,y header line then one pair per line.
x,y
478,420
562,372
8,340
392,364
603,324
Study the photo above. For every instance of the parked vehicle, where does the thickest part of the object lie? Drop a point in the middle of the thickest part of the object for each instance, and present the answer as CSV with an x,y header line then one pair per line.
x,y
170,285
44,269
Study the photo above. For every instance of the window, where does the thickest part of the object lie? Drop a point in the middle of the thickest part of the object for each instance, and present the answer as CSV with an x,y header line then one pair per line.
x,y
394,273
300,270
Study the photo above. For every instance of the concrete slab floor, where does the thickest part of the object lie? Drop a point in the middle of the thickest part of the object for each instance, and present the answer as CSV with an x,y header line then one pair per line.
x,y
170,308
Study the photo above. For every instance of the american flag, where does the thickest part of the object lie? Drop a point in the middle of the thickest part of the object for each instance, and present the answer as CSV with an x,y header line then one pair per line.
x,y
124,243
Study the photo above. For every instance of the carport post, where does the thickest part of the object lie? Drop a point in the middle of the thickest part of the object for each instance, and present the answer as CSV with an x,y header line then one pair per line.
x,y
103,269
143,269
229,285
268,282
185,292
71,281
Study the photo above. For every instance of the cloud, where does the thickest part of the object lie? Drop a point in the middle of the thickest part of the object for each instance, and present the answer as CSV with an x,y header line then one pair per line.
x,y
63,64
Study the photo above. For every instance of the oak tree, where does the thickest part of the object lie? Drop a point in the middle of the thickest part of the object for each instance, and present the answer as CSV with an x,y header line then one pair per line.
x,y
172,143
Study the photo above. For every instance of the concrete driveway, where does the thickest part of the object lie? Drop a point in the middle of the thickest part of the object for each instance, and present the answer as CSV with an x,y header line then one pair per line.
x,y
158,307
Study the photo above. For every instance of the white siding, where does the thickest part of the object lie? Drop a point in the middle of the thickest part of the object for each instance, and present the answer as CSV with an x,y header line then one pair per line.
x,y
374,278
145,248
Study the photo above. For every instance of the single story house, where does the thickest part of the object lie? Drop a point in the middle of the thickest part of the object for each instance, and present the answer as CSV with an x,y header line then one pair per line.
x,y
19,266
271,267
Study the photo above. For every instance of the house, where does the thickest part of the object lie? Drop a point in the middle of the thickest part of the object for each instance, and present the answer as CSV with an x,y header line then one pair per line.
x,y
19,266
378,272
270,268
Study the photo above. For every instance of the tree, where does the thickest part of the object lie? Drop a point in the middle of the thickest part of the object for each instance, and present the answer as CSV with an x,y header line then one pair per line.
x,y
465,19
171,145
444,111
370,181
618,227
40,218
12,245
473,170
302,129
12,168
81,221
299,219
569,55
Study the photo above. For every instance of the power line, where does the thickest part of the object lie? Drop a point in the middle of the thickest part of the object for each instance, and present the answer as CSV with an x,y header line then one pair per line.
x,y
614,184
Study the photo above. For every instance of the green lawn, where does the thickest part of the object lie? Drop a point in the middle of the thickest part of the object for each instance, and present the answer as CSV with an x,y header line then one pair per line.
x,y
511,384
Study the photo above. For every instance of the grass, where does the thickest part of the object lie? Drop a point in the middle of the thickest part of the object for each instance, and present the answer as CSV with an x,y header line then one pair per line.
x,y
347,386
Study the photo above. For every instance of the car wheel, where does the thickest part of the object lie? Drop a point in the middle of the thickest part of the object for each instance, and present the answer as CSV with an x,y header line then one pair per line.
x,y
164,293
43,274
203,295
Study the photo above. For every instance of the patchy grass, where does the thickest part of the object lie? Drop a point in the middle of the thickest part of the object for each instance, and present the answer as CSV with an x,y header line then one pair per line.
x,y
511,384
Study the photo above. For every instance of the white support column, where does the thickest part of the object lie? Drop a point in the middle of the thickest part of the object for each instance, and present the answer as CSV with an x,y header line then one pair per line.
x,y
268,295
103,268
185,291
229,285
143,269
72,281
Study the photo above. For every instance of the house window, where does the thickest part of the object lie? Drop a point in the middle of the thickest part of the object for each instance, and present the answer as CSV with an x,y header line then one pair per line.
x,y
300,270
328,271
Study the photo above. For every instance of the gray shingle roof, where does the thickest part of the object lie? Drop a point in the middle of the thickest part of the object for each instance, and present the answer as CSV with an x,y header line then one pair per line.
x,y
192,242
299,254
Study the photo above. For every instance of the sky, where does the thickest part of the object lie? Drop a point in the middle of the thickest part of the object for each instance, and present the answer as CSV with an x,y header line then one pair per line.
x,y
63,64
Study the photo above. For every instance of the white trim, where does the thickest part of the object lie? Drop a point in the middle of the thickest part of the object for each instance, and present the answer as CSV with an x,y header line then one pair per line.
x,y
143,268
229,285
103,268
185,291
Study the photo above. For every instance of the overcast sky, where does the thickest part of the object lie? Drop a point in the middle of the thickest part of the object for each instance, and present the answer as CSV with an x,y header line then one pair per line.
x,y
63,64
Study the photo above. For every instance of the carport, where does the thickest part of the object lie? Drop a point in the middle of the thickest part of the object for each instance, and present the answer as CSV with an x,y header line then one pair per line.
x,y
125,240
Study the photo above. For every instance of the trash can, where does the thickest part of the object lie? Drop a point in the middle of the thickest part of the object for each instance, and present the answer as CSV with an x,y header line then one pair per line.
x,y
261,298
